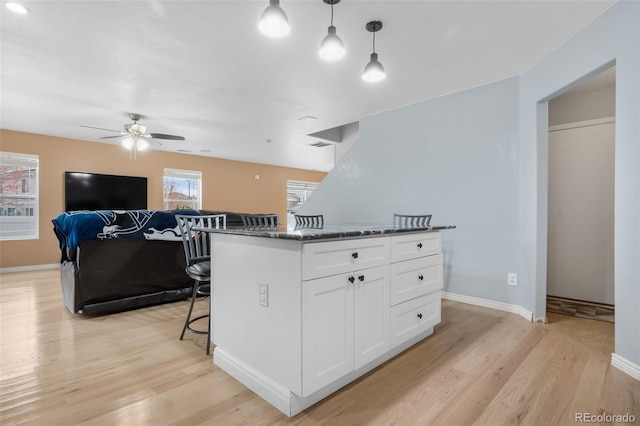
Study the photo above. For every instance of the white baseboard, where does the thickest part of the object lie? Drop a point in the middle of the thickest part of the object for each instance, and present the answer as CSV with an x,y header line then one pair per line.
x,y
287,402
29,268
499,306
264,387
625,366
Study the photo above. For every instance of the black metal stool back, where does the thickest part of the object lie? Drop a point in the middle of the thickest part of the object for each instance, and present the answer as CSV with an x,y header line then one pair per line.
x,y
259,221
411,221
309,221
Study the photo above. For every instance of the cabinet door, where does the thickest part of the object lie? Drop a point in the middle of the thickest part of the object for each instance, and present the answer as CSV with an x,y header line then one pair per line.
x,y
327,331
371,314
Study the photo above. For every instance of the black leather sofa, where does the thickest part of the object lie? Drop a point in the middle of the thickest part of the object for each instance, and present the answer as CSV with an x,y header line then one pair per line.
x,y
106,276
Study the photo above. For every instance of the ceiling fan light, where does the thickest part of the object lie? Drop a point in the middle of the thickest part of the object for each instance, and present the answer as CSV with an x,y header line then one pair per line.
x,y
374,71
331,48
274,22
128,143
142,144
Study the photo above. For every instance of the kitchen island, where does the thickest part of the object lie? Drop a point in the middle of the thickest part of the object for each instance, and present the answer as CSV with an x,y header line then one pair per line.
x,y
296,315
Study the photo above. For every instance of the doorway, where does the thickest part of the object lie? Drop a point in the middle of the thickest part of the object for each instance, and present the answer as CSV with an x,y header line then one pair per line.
x,y
580,214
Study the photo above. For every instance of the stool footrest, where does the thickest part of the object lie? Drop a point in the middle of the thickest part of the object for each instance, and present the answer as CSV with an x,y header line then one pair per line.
x,y
193,330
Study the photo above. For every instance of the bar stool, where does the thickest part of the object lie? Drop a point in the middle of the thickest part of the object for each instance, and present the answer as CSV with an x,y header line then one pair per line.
x,y
197,249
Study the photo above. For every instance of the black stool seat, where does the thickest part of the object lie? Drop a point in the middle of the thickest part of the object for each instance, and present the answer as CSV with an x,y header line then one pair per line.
x,y
200,271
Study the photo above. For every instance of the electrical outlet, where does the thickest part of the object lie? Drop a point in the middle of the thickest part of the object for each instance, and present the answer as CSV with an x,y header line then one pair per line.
x,y
512,278
264,294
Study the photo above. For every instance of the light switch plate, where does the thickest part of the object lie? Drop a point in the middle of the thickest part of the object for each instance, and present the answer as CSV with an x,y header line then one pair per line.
x,y
264,294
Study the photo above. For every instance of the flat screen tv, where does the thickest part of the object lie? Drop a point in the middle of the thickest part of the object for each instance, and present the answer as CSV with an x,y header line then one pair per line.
x,y
92,191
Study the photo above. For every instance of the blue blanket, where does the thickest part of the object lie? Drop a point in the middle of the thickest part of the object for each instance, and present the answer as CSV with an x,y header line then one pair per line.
x,y
72,228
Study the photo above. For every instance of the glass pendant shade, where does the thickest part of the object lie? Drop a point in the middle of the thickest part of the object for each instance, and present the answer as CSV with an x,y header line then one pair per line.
x,y
142,144
331,48
128,142
17,8
374,71
274,22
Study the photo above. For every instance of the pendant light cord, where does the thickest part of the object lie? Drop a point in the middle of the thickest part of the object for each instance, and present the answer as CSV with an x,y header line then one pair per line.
x,y
332,14
374,41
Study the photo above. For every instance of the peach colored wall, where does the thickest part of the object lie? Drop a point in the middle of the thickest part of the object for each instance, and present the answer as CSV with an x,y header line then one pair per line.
x,y
227,185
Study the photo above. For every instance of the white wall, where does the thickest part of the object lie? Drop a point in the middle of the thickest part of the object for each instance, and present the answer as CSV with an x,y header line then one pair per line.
x,y
478,159
350,133
582,106
580,258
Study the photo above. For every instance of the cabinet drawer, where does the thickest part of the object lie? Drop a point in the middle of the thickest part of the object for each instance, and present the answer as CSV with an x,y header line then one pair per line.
x,y
415,277
412,246
337,257
411,318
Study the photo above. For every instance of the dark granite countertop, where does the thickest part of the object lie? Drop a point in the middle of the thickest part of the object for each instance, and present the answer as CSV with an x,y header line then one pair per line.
x,y
325,233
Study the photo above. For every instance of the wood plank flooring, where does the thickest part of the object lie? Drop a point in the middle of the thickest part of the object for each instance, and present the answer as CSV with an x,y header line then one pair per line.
x,y
481,367
580,308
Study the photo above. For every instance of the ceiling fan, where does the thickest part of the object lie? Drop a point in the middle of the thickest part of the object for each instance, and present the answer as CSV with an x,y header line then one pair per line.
x,y
136,136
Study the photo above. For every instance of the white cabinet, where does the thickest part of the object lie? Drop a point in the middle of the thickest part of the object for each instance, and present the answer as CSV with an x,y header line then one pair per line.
x,y
412,246
327,331
336,309
416,283
345,317
414,316
371,315
415,277
323,259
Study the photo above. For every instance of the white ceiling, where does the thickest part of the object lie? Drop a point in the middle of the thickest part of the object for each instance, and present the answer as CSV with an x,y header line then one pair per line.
x,y
202,70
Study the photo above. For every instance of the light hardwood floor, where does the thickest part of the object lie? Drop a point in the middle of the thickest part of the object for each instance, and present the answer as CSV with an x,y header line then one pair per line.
x,y
480,367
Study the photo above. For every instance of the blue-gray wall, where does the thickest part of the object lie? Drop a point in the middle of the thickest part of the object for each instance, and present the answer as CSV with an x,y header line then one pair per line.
x,y
453,157
614,38
478,159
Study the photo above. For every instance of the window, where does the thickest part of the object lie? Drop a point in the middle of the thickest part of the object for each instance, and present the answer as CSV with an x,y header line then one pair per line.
x,y
18,196
297,193
182,189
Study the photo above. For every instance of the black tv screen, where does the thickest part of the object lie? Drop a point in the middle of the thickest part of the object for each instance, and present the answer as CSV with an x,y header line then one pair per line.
x,y
92,191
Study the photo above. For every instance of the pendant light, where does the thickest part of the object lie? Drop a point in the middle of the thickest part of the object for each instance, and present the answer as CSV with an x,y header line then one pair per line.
x,y
374,71
274,22
331,48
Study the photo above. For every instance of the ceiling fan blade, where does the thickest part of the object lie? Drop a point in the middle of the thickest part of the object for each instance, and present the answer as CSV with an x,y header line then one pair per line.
x,y
170,137
100,128
111,137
